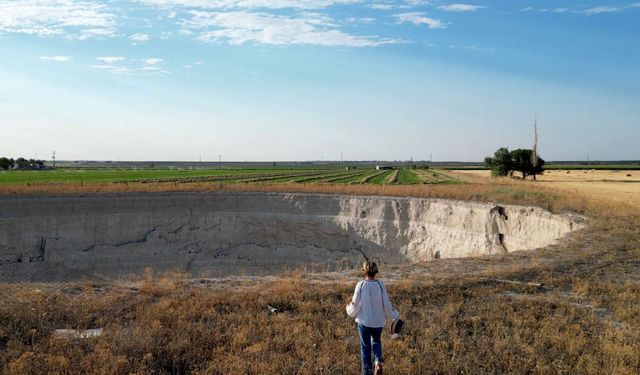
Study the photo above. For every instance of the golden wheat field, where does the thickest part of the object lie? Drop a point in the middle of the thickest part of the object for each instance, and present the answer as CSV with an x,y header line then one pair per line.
x,y
614,185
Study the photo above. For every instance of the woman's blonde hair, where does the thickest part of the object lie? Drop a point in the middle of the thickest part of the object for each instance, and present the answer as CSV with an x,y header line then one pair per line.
x,y
369,268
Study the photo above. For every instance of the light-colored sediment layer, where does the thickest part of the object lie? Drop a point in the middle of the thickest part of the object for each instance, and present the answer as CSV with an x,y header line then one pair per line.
x,y
218,234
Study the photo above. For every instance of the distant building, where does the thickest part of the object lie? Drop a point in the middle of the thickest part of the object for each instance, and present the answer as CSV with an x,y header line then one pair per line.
x,y
383,167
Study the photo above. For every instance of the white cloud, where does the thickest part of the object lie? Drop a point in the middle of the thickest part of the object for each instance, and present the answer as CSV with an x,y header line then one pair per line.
x,y
57,58
262,28
248,4
599,10
72,19
153,70
381,6
418,18
478,49
605,9
115,69
460,7
415,3
140,37
148,66
361,20
153,61
111,59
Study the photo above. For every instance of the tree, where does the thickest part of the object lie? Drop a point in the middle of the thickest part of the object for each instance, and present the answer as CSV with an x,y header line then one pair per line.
x,y
522,160
6,163
22,163
501,163
504,162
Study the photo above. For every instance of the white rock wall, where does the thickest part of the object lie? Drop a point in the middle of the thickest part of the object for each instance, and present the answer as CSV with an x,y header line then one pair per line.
x,y
216,234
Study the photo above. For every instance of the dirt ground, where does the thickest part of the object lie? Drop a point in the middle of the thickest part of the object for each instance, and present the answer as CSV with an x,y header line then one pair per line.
x,y
612,185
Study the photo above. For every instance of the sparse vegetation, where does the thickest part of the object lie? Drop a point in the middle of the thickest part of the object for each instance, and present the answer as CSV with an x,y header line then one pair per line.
x,y
582,318
393,177
434,176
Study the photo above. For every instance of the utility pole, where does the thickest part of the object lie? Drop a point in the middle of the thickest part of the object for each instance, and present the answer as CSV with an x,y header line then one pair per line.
x,y
341,159
53,158
534,150
220,161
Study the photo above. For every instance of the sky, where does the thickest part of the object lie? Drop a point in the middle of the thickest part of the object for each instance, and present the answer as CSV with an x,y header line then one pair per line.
x,y
263,80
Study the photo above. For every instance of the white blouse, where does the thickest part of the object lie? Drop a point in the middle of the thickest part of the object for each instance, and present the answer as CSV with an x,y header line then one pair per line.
x,y
370,304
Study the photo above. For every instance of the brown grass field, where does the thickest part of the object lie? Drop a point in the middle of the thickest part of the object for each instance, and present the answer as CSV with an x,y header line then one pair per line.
x,y
618,186
571,308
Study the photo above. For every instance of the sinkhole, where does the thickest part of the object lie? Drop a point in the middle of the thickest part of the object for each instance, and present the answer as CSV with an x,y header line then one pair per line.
x,y
63,238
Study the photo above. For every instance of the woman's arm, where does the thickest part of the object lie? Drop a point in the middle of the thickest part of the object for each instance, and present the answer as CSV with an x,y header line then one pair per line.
x,y
388,307
354,307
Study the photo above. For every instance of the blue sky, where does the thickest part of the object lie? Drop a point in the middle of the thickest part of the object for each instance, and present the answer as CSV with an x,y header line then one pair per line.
x,y
306,80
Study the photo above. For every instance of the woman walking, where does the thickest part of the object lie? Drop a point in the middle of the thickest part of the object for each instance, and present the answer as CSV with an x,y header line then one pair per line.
x,y
369,305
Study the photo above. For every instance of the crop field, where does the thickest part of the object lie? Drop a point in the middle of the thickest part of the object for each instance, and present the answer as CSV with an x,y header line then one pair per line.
x,y
611,185
594,166
115,175
222,176
630,165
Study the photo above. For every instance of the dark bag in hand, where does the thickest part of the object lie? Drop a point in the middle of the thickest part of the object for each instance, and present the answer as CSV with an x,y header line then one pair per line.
x,y
396,326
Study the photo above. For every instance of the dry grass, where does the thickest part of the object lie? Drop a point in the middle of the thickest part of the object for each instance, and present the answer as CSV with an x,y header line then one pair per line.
x,y
504,191
584,320
610,185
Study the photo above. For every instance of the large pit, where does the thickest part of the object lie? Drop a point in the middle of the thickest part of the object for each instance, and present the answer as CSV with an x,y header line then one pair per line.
x,y
63,238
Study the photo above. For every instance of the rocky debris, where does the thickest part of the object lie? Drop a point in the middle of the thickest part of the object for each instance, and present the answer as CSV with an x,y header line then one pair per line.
x,y
77,334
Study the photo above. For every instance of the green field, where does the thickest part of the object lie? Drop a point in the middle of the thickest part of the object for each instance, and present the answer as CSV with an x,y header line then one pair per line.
x,y
381,178
224,176
435,176
115,175
408,177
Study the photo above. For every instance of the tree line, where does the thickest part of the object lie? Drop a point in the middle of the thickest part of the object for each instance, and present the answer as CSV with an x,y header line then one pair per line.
x,y
21,163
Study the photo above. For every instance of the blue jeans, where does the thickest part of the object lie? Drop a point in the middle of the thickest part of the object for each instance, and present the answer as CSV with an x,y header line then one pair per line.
x,y
369,337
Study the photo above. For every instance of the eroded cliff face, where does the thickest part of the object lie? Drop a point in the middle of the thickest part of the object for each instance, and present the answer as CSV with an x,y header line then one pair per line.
x,y
220,234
